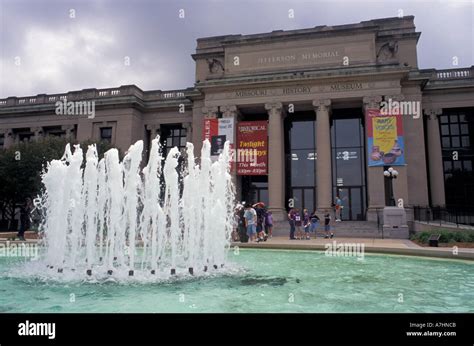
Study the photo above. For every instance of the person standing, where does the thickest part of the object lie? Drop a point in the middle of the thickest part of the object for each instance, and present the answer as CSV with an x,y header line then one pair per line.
x,y
306,224
25,221
298,222
327,226
269,224
251,221
261,212
314,223
291,221
338,208
242,226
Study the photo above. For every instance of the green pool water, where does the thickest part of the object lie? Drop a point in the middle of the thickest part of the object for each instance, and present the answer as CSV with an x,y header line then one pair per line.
x,y
262,281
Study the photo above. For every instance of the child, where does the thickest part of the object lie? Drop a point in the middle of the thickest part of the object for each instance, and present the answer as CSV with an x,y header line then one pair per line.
x,y
327,227
297,219
306,223
314,223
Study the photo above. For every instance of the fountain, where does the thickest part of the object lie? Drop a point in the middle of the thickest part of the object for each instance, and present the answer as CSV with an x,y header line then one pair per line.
x,y
109,223
110,218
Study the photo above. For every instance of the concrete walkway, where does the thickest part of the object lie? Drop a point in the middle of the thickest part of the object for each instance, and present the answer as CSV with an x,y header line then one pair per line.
x,y
371,245
386,246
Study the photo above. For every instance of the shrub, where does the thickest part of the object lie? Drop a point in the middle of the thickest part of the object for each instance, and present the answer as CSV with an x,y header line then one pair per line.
x,y
446,236
461,237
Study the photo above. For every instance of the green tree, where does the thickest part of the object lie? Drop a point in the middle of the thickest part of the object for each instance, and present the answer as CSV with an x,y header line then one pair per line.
x,y
21,166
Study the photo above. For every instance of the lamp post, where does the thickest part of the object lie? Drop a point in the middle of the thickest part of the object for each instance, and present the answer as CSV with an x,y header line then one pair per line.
x,y
391,174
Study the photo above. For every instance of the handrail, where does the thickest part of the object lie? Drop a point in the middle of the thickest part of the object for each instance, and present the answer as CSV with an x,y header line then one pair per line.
x,y
455,73
85,94
458,215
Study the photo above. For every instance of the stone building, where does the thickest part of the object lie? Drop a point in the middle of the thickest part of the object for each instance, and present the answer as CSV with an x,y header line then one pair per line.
x,y
313,86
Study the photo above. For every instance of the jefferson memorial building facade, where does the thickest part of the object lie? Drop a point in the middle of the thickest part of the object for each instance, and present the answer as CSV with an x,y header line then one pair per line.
x,y
329,108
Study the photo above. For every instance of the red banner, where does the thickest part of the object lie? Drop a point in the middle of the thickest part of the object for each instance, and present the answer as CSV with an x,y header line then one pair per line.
x,y
252,148
210,129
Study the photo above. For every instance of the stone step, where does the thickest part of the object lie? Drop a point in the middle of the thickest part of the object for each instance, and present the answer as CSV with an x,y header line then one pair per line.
x,y
356,229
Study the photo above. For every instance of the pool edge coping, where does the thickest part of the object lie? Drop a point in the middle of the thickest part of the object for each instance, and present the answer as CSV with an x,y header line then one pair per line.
x,y
418,252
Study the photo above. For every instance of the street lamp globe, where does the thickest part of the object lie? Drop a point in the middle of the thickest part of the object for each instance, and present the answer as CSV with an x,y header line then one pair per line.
x,y
386,173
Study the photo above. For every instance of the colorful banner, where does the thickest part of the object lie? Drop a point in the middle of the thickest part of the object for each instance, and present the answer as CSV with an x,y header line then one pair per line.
x,y
218,131
252,148
385,143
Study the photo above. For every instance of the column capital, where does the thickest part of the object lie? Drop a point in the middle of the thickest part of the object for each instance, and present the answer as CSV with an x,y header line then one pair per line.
x,y
229,111
188,125
372,101
6,132
210,112
67,127
36,130
274,107
319,103
432,113
152,126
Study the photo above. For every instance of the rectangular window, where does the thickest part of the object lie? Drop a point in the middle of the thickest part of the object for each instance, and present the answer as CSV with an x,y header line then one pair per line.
x,y
455,125
300,157
448,166
172,136
348,162
106,134
467,165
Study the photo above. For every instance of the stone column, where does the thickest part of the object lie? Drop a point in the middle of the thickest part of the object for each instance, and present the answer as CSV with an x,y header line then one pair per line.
x,y
38,132
323,152
154,129
276,163
189,131
400,184
210,112
435,159
69,131
375,177
8,137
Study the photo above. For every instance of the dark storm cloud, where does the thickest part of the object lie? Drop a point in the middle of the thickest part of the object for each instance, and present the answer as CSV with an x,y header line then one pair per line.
x,y
57,53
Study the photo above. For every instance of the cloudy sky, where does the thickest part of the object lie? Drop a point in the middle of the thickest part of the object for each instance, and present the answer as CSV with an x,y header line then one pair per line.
x,y
53,46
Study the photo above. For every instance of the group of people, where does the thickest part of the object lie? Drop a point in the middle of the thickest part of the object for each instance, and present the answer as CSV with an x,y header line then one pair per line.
x,y
252,223
305,224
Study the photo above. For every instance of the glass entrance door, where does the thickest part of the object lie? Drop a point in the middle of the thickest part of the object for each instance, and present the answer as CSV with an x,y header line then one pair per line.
x,y
255,189
300,154
351,198
348,162
304,198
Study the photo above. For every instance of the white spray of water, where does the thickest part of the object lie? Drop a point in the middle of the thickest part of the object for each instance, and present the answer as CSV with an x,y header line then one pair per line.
x,y
97,217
